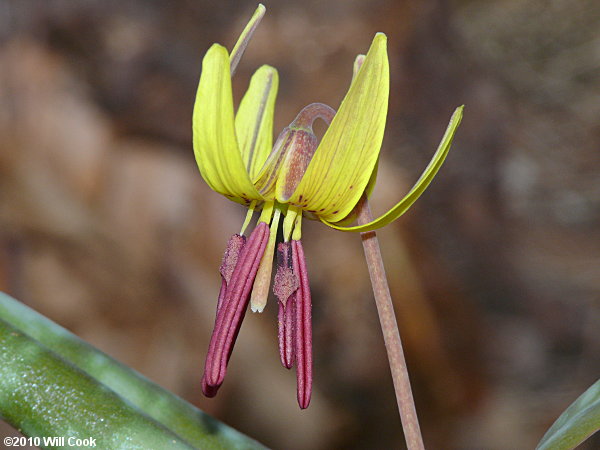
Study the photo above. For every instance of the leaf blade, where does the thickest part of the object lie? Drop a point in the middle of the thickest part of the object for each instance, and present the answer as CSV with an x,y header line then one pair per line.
x,y
192,424
578,422
43,395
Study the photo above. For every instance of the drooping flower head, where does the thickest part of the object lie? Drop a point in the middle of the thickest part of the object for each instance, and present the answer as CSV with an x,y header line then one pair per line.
x,y
296,177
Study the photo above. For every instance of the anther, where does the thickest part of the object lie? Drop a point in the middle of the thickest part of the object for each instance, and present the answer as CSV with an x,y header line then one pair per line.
x,y
303,328
233,307
285,287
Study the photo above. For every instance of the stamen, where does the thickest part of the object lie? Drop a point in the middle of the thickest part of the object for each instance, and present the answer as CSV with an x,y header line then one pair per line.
x,y
297,233
286,316
207,390
267,212
233,309
285,286
303,328
221,298
289,221
230,258
249,215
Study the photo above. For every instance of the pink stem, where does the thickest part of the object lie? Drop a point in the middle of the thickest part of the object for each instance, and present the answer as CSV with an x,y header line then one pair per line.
x,y
391,334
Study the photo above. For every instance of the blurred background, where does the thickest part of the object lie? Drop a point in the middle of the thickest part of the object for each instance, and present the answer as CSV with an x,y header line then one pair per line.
x,y
107,228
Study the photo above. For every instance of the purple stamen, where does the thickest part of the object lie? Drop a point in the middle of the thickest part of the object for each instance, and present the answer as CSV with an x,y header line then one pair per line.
x,y
286,317
233,307
303,328
284,287
222,292
209,391
230,258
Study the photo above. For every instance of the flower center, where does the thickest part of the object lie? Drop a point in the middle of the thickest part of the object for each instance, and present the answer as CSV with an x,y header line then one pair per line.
x,y
292,152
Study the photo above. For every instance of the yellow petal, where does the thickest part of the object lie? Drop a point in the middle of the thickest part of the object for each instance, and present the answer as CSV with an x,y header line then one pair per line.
x,y
434,165
254,120
215,146
350,218
342,165
267,176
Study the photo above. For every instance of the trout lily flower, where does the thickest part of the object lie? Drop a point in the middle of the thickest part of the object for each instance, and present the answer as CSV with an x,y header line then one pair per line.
x,y
296,177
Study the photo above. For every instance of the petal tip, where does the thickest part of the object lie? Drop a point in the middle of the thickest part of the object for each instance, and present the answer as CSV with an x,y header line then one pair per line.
x,y
380,38
457,115
215,51
269,70
217,47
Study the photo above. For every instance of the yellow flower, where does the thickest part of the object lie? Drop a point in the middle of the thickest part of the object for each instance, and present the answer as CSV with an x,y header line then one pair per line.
x,y
295,178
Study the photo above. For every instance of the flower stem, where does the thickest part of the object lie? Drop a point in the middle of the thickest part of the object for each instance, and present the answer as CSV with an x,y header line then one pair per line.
x,y
391,334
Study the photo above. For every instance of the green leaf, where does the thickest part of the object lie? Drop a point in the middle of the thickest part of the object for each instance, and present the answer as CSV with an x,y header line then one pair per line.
x,y
43,395
37,356
576,424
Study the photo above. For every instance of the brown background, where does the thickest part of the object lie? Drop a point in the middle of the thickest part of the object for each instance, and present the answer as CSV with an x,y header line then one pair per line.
x,y
107,228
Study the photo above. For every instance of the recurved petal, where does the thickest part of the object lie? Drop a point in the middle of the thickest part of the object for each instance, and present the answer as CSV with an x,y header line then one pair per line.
x,y
344,161
254,119
434,165
215,145
350,218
